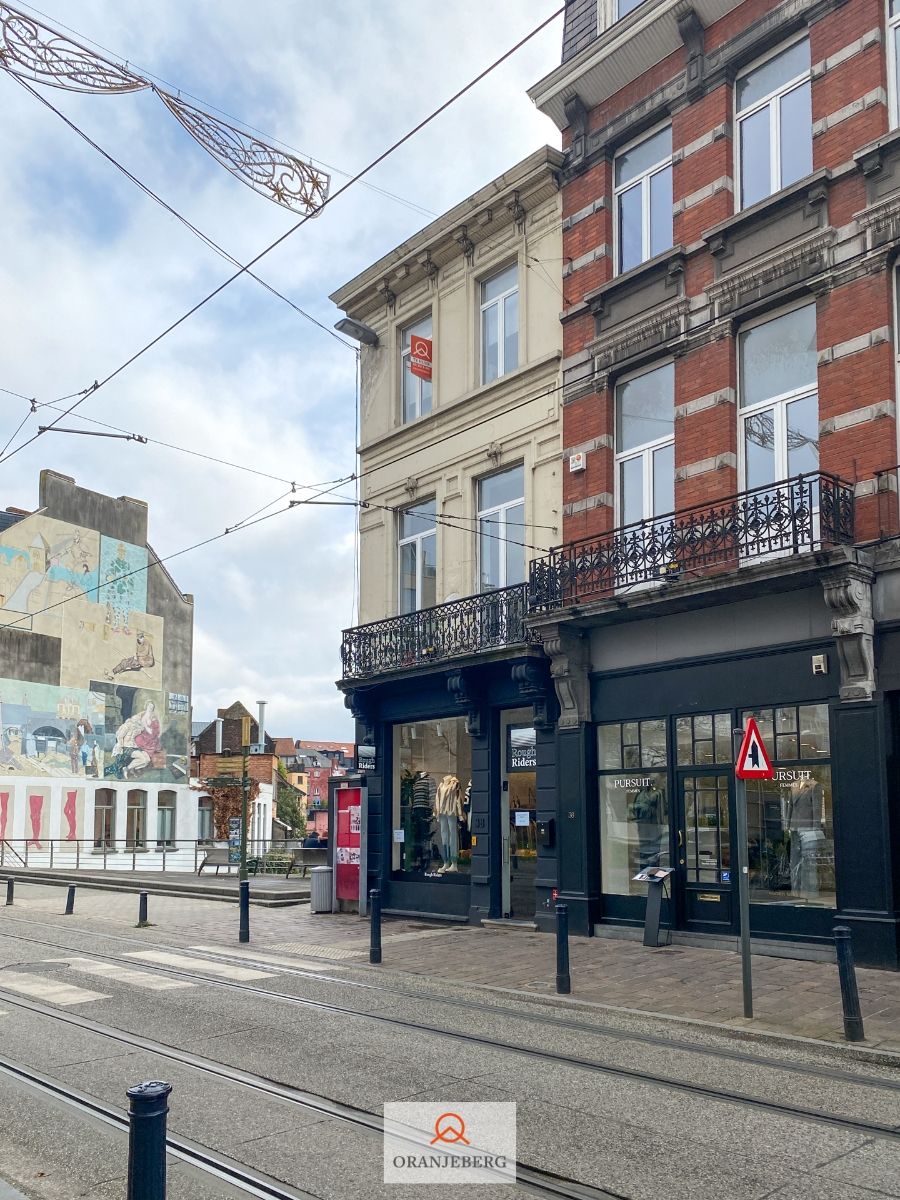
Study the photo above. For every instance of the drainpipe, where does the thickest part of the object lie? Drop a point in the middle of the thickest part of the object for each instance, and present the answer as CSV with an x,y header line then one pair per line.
x,y
262,722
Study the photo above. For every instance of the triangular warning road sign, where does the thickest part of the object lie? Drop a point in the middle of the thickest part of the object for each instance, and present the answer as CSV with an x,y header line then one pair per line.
x,y
753,760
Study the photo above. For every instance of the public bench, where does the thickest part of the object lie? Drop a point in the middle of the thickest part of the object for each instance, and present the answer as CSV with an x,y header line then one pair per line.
x,y
217,857
304,857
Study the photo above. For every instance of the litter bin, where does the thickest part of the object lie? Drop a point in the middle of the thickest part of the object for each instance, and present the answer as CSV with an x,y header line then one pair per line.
x,y
320,889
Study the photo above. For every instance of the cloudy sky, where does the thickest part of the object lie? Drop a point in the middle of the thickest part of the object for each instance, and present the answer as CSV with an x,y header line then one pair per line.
x,y
91,269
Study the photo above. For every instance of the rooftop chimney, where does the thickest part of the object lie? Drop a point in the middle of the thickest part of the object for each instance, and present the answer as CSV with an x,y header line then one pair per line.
x,y
262,722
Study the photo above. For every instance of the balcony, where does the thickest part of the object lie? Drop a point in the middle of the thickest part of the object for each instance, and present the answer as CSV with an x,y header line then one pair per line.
x,y
457,629
806,513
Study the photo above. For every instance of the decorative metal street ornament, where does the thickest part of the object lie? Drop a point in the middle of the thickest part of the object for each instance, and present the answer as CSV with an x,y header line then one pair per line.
x,y
35,52
281,177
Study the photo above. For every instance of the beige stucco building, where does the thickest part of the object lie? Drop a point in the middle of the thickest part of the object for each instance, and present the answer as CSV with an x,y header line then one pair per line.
x,y
460,468
483,411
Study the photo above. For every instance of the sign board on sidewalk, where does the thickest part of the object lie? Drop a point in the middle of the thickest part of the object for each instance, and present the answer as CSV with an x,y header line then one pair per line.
x,y
753,760
234,839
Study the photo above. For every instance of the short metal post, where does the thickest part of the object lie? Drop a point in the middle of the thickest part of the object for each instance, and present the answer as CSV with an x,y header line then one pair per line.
x,y
70,901
104,854
853,1022
244,930
148,1108
164,857
374,926
563,978
77,854
142,911
10,888
51,854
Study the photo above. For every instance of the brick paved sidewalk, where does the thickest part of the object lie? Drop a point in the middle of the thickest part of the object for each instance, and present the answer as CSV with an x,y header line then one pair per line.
x,y
790,996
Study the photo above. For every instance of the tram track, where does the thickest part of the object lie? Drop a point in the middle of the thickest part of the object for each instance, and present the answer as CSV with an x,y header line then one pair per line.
x,y
244,959
698,1090
533,1180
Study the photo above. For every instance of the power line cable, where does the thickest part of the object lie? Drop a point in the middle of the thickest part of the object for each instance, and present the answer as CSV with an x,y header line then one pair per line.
x,y
303,220
230,116
148,191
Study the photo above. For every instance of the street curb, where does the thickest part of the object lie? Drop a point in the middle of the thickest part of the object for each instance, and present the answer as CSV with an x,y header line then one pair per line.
x,y
857,1052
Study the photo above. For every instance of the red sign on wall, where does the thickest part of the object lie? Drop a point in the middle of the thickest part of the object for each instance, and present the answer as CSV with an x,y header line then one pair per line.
x,y
420,357
347,843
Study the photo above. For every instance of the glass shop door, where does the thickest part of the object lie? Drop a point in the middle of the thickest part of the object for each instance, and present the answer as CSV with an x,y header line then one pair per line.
x,y
703,872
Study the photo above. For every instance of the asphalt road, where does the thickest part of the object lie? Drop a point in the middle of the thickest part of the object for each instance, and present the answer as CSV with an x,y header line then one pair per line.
x,y
283,1065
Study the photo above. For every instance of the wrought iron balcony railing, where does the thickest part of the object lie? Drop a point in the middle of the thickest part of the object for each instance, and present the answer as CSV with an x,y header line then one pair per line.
x,y
808,512
458,628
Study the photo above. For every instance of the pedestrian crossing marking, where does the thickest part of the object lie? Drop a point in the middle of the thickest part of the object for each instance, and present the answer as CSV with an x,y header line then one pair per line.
x,y
263,956
225,970
47,989
123,974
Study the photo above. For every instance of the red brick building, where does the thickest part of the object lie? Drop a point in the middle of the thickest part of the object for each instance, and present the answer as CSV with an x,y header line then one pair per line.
x,y
731,224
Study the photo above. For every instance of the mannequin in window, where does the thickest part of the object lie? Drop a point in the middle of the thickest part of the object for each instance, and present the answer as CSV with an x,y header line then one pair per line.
x,y
807,836
646,810
449,811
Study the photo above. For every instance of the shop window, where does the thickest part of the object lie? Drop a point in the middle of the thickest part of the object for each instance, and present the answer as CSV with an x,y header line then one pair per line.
x,y
634,807
779,403
432,782
205,831
774,123
500,324
415,391
501,528
418,556
165,819
104,818
790,826
645,445
643,200
136,819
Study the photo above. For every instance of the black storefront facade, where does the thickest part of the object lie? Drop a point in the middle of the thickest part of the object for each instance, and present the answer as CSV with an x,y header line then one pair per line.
x,y
652,687
605,728
462,802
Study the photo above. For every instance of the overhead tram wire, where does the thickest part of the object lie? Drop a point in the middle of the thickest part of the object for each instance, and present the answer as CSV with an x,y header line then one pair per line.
x,y
148,191
411,204
299,224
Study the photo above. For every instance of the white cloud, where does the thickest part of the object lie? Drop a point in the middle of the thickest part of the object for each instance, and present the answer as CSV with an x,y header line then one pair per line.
x,y
92,269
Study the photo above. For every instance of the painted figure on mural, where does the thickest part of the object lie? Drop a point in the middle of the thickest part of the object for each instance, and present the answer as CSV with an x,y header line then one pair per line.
x,y
74,751
141,660
137,743
69,814
119,590
4,807
35,810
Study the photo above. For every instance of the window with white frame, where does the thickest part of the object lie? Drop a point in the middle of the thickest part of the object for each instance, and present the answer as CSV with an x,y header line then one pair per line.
x,y
779,402
623,7
165,819
643,199
773,109
205,829
415,392
501,525
418,556
500,324
645,445
894,58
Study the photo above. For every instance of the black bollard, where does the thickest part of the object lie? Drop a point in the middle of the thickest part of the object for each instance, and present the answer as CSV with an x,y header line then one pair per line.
x,y
563,978
148,1108
70,901
244,929
375,926
142,911
10,888
853,1022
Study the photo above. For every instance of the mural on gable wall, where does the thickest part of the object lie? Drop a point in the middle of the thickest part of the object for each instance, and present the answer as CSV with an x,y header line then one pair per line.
x,y
108,716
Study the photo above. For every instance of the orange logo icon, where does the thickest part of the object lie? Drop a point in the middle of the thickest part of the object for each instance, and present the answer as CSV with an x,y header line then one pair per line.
x,y
450,1128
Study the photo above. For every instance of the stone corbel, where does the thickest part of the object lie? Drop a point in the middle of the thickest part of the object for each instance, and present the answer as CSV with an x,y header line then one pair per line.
x,y
429,267
532,685
388,295
577,118
460,687
465,243
570,664
692,34
360,706
848,594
